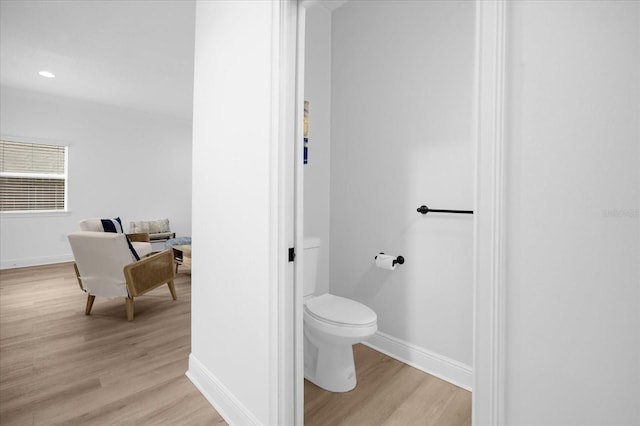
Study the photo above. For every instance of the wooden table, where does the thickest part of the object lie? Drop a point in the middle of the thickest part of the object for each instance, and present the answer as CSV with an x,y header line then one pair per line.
x,y
182,255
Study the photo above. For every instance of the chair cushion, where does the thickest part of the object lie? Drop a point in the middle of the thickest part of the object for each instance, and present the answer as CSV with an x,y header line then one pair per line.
x,y
141,248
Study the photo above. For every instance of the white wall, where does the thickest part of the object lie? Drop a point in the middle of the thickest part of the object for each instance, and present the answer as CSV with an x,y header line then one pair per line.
x,y
573,222
122,163
317,90
232,357
402,97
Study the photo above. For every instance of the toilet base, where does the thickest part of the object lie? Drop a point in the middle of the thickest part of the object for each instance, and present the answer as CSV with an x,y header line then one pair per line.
x,y
330,367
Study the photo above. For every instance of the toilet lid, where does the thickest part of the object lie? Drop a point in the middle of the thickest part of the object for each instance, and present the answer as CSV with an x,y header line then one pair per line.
x,y
336,309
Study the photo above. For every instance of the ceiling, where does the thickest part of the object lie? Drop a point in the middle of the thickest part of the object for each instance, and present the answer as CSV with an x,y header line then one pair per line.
x,y
129,54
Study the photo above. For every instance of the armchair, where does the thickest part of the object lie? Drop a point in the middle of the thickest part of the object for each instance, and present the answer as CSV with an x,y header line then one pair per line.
x,y
105,266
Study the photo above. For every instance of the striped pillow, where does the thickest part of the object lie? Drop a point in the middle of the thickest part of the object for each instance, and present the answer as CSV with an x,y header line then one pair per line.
x,y
112,225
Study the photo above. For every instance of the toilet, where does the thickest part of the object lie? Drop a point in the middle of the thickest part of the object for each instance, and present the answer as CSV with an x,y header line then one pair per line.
x,y
332,325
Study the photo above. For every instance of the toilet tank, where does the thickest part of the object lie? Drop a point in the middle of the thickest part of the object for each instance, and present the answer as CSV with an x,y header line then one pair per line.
x,y
311,252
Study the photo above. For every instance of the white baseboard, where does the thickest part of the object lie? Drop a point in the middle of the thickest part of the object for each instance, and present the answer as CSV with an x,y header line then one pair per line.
x,y
34,261
432,363
225,403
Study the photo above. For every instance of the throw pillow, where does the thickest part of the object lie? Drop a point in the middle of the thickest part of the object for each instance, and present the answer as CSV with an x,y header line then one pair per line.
x,y
139,226
112,225
158,226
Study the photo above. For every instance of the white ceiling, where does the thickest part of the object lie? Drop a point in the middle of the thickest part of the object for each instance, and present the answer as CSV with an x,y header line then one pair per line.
x,y
131,54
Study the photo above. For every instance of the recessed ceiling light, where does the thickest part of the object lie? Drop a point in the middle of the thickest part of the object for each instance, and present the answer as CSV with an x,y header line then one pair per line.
x,y
47,74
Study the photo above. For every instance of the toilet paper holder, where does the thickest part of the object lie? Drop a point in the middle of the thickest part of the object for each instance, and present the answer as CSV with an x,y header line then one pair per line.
x,y
399,260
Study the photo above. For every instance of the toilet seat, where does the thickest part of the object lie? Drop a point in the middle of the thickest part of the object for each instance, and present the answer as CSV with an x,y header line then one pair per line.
x,y
340,311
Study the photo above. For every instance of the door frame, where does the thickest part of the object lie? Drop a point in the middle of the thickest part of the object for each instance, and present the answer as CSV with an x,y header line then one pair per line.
x,y
285,354
489,219
489,215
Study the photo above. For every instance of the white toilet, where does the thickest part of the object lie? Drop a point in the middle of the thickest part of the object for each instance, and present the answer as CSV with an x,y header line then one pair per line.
x,y
332,325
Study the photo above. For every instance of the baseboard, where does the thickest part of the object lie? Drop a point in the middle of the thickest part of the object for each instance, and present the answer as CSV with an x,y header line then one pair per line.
x,y
225,403
34,261
432,363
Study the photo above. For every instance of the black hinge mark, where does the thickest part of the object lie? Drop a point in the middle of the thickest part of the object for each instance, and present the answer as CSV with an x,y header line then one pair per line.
x,y
292,254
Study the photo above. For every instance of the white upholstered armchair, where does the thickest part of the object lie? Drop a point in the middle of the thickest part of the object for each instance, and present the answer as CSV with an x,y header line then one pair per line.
x,y
105,266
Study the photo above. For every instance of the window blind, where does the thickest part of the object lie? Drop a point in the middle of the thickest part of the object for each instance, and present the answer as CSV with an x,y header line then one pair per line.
x,y
32,176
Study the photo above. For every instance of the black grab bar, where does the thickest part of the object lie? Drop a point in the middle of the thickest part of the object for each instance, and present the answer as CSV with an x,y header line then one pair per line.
x,y
424,210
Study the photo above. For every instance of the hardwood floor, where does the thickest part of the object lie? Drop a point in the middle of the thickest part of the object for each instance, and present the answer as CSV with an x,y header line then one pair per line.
x,y
58,366
389,392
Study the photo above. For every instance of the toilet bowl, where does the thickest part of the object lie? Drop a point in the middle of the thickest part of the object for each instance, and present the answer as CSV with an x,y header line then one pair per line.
x,y
332,325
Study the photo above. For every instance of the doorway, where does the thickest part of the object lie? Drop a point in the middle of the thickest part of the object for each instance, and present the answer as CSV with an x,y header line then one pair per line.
x,y
369,286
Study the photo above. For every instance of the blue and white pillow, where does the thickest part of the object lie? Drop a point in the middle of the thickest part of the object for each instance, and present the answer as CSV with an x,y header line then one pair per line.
x,y
112,225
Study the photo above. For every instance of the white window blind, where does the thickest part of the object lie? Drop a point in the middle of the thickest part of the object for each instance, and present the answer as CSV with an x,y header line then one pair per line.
x,y
32,176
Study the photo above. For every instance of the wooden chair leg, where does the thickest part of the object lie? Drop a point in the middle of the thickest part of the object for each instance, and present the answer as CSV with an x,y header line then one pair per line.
x,y
129,308
172,289
75,268
90,299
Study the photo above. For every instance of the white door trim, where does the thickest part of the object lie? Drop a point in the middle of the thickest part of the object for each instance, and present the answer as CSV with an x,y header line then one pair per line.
x,y
299,215
284,312
489,253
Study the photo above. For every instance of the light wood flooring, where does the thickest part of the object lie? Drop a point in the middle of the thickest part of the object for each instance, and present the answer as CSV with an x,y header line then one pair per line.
x,y
388,392
58,366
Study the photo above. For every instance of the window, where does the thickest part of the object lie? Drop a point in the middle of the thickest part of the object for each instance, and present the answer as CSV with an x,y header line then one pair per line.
x,y
33,177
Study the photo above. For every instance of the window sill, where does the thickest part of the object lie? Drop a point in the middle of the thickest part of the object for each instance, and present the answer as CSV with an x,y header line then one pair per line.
x,y
38,213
